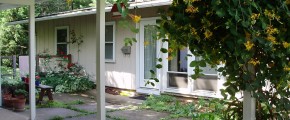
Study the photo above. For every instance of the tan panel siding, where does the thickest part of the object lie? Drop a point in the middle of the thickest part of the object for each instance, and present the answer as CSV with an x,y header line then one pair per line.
x,y
122,72
50,37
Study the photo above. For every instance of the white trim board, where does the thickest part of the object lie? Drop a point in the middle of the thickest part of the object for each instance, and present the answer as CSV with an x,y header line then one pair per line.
x,y
90,11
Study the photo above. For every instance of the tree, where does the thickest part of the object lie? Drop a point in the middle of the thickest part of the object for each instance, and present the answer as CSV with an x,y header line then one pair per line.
x,y
14,38
251,38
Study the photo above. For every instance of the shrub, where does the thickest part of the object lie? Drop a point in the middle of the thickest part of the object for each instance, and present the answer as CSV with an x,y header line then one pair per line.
x,y
73,80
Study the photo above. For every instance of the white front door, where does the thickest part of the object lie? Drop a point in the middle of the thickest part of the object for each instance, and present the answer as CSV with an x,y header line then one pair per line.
x,y
148,49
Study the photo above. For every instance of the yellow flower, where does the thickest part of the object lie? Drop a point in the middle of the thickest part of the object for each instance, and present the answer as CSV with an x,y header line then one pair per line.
x,y
169,58
270,14
270,30
286,68
135,18
68,2
207,34
254,62
271,39
170,50
255,16
249,45
191,9
285,44
287,2
193,31
146,43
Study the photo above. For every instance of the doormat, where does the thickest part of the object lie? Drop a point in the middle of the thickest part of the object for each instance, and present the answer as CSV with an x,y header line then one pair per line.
x,y
140,97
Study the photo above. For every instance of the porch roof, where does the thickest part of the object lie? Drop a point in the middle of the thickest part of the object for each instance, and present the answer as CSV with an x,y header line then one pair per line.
x,y
89,11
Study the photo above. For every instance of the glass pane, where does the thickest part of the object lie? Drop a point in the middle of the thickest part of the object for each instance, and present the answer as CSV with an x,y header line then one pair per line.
x,y
179,62
109,33
178,80
61,35
109,51
208,69
61,49
149,50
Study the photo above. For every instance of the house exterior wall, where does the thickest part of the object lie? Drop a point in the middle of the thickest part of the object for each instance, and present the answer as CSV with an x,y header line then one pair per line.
x,y
121,73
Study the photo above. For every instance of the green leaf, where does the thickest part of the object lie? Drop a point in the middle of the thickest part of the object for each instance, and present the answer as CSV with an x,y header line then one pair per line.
x,y
202,63
152,72
163,50
245,23
159,59
193,63
152,83
158,66
221,69
156,79
220,12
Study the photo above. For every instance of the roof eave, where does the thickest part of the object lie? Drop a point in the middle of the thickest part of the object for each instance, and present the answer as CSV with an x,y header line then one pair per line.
x,y
93,11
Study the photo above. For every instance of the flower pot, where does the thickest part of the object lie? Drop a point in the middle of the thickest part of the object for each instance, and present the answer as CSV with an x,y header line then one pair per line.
x,y
27,80
37,82
19,105
8,95
19,96
8,102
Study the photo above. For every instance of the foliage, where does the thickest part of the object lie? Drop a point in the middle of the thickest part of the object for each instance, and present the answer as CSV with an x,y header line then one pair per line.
x,y
250,38
14,38
123,8
74,39
72,78
201,109
9,85
21,92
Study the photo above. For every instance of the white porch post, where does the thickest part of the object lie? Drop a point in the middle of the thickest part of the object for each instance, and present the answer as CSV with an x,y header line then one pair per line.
x,y
100,59
32,61
249,106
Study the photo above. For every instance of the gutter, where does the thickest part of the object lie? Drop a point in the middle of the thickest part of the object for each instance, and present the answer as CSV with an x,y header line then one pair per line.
x,y
93,11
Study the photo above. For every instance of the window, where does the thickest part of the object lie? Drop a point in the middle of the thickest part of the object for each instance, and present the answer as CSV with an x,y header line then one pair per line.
x,y
62,38
110,42
177,69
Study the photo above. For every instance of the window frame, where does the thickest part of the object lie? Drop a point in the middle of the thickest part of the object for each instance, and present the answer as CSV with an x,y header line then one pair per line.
x,y
113,42
67,41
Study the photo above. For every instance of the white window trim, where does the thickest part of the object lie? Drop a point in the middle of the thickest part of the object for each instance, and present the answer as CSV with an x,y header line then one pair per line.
x,y
114,43
55,38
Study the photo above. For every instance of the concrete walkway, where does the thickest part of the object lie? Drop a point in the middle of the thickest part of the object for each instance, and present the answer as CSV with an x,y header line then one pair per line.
x,y
118,108
9,115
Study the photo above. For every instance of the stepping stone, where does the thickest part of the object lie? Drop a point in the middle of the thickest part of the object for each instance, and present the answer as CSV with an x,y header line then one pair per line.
x,y
92,107
10,115
48,113
87,117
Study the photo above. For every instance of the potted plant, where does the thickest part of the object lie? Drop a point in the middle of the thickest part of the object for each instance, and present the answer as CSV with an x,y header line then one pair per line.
x,y
7,93
19,102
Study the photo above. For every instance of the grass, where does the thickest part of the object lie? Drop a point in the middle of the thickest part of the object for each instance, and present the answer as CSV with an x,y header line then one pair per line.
x,y
211,109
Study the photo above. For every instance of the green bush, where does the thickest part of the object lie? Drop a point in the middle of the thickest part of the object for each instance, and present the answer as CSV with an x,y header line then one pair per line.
x,y
65,82
70,78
